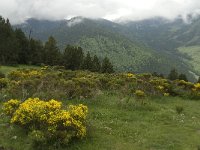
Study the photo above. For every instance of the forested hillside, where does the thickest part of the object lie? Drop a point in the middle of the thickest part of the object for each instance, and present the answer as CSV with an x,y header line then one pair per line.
x,y
170,36
104,38
16,49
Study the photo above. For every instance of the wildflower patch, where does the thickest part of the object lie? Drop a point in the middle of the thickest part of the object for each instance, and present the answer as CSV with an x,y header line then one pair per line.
x,y
48,121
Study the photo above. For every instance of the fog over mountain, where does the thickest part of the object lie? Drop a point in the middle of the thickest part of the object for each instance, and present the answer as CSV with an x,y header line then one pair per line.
x,y
19,10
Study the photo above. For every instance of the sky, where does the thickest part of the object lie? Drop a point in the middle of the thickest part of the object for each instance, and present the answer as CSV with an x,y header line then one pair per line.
x,y
19,10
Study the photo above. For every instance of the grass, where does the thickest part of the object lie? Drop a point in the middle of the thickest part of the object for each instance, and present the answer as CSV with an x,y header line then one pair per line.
x,y
125,124
194,54
8,69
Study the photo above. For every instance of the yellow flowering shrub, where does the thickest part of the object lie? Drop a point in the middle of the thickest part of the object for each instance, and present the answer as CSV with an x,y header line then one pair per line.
x,y
3,82
48,120
197,87
185,84
130,75
160,82
166,94
160,87
11,106
24,74
139,93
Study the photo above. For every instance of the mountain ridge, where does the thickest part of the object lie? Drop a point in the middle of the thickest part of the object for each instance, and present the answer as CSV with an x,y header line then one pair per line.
x,y
106,38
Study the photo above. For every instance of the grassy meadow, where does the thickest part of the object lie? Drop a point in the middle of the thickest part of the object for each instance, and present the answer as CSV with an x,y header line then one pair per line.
x,y
127,126
117,120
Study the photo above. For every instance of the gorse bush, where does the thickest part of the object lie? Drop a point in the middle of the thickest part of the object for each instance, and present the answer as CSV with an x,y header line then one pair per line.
x,y
139,94
25,74
57,83
11,106
48,121
3,83
2,75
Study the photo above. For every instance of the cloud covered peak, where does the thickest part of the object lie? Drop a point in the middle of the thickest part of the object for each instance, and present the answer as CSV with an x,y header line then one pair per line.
x,y
20,10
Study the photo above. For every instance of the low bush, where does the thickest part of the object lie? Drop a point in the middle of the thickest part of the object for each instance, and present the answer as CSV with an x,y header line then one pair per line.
x,y
48,121
2,75
57,83
179,109
3,83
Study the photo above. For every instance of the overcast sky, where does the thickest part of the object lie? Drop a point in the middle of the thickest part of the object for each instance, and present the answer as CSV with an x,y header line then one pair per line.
x,y
19,10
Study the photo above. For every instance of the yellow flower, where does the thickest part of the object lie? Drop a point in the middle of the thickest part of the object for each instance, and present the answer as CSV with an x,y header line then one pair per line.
x,y
48,116
160,87
10,107
166,94
139,93
197,86
130,75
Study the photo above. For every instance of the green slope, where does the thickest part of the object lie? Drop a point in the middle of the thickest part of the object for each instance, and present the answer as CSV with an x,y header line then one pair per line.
x,y
192,56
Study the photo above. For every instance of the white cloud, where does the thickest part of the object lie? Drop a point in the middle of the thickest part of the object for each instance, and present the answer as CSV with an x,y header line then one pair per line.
x,y
19,10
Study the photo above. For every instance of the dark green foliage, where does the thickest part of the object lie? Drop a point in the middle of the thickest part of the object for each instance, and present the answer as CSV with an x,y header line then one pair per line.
x,y
155,74
23,47
96,65
173,75
179,109
16,48
8,43
87,63
107,66
2,75
37,52
161,75
52,52
72,57
182,77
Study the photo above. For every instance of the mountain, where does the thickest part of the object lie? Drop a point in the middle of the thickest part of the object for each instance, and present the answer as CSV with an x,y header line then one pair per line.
x,y
177,38
120,42
163,34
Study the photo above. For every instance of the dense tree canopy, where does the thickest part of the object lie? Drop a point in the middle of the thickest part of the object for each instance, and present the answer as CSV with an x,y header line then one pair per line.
x,y
72,57
16,48
52,53
107,67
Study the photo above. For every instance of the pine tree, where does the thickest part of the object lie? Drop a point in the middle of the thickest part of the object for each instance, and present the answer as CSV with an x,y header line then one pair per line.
x,y
173,75
72,57
8,43
107,67
182,77
23,47
37,53
96,65
52,52
87,63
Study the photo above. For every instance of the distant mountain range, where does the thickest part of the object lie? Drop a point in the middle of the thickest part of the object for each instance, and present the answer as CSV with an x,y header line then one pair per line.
x,y
179,38
141,46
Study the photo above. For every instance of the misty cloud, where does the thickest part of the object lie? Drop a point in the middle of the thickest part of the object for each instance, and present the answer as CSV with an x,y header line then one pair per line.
x,y
19,10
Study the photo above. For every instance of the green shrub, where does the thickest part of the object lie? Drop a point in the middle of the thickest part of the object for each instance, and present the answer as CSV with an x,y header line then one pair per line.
x,y
179,109
2,75
3,83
